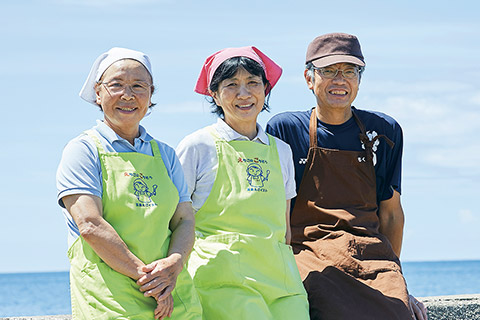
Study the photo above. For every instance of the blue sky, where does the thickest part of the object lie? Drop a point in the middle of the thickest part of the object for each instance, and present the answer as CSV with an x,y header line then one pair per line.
x,y
422,68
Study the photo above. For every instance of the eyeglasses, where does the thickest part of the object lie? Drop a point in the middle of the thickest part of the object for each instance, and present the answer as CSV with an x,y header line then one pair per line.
x,y
330,73
117,86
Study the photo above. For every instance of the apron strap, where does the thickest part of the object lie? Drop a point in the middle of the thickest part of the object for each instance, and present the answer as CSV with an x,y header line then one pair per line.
x,y
366,140
313,128
362,135
95,139
271,141
155,149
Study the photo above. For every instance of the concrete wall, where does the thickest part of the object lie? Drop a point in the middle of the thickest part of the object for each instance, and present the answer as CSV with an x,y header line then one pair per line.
x,y
464,307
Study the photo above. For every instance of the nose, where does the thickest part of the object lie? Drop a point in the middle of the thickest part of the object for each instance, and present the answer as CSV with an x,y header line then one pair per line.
x,y
339,77
128,93
243,92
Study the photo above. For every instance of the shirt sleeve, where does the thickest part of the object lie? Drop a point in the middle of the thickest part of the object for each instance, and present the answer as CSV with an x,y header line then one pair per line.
x,y
288,171
175,170
393,171
79,171
188,158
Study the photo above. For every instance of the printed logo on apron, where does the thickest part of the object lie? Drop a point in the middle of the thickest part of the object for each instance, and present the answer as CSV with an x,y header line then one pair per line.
x,y
142,190
257,176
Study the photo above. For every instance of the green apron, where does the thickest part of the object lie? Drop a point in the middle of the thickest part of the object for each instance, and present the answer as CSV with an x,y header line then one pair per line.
x,y
139,200
241,266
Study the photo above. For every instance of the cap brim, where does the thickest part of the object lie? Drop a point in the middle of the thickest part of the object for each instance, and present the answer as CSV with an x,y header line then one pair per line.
x,y
326,61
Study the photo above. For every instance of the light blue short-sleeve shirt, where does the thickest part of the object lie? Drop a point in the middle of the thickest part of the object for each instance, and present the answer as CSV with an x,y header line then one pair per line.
x,y
80,171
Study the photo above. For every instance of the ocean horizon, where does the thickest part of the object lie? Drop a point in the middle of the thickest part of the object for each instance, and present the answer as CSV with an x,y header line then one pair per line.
x,y
48,293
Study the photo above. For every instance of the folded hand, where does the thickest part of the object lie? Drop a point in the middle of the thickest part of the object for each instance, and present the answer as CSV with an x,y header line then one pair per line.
x,y
160,277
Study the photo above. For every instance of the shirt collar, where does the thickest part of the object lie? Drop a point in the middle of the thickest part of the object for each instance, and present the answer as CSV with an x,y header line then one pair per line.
x,y
229,134
111,136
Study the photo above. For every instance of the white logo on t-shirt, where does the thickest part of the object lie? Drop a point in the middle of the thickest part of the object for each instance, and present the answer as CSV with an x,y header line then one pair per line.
x,y
302,161
371,135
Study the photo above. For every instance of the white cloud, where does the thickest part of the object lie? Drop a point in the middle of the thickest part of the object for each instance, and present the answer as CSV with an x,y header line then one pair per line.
x,y
475,99
440,121
459,157
467,216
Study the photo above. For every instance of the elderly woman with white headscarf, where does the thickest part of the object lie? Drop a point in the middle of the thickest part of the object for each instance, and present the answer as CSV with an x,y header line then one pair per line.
x,y
125,201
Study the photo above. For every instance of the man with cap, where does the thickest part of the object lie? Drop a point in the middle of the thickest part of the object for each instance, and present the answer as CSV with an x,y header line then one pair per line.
x,y
347,219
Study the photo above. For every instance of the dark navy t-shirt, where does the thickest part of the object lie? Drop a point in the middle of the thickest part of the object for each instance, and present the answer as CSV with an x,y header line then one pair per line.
x,y
292,127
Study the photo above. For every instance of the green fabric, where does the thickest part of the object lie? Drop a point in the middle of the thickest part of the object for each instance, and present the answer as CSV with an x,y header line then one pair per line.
x,y
139,199
241,266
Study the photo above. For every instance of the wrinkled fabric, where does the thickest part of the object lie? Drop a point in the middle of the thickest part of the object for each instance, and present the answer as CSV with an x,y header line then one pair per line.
x,y
348,268
139,199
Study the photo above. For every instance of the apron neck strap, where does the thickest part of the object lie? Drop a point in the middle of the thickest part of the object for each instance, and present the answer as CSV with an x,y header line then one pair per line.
x,y
155,148
313,128
363,134
95,139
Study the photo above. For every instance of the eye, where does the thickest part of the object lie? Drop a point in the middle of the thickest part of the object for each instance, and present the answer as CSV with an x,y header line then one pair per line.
x,y
328,72
115,84
139,86
350,73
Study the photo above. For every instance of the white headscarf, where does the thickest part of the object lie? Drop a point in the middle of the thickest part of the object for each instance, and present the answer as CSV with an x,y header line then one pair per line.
x,y
102,63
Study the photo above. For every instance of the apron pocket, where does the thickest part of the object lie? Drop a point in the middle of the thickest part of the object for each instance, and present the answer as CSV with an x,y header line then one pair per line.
x,y
293,282
214,261
107,293
185,296
269,266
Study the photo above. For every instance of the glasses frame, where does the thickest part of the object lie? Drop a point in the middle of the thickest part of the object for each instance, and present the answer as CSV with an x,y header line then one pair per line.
x,y
105,83
320,71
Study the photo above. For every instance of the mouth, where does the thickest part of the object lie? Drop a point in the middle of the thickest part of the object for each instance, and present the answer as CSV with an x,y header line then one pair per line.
x,y
245,106
127,109
338,92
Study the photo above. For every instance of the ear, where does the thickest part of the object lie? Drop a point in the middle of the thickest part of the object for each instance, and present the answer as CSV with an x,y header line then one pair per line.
x,y
152,90
214,95
308,79
97,94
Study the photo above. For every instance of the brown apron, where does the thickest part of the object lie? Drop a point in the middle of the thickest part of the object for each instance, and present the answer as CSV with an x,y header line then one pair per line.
x,y
348,268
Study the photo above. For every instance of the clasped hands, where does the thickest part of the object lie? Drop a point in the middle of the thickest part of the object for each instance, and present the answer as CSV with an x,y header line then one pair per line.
x,y
158,281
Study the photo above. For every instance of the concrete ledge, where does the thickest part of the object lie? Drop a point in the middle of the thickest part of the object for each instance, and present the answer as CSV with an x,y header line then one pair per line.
x,y
462,307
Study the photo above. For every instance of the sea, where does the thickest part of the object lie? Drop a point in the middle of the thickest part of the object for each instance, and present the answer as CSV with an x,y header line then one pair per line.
x,y
48,293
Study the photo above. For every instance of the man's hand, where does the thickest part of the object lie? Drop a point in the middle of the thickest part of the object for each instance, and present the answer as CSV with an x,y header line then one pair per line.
x,y
418,309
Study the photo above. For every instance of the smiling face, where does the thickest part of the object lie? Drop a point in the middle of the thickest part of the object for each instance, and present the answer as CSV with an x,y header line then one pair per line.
x,y
336,93
124,109
241,97
254,170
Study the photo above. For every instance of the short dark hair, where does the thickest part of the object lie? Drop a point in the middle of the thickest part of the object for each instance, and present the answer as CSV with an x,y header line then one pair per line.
x,y
228,69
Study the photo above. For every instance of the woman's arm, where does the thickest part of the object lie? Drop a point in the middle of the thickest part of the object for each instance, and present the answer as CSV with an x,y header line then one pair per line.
x,y
87,213
288,234
161,275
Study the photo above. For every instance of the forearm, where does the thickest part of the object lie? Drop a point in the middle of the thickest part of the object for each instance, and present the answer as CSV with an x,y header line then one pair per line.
x,y
183,233
392,220
392,228
161,275
108,245
288,233
86,211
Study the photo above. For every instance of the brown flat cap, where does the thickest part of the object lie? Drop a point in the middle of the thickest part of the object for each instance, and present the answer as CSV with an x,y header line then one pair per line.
x,y
334,48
